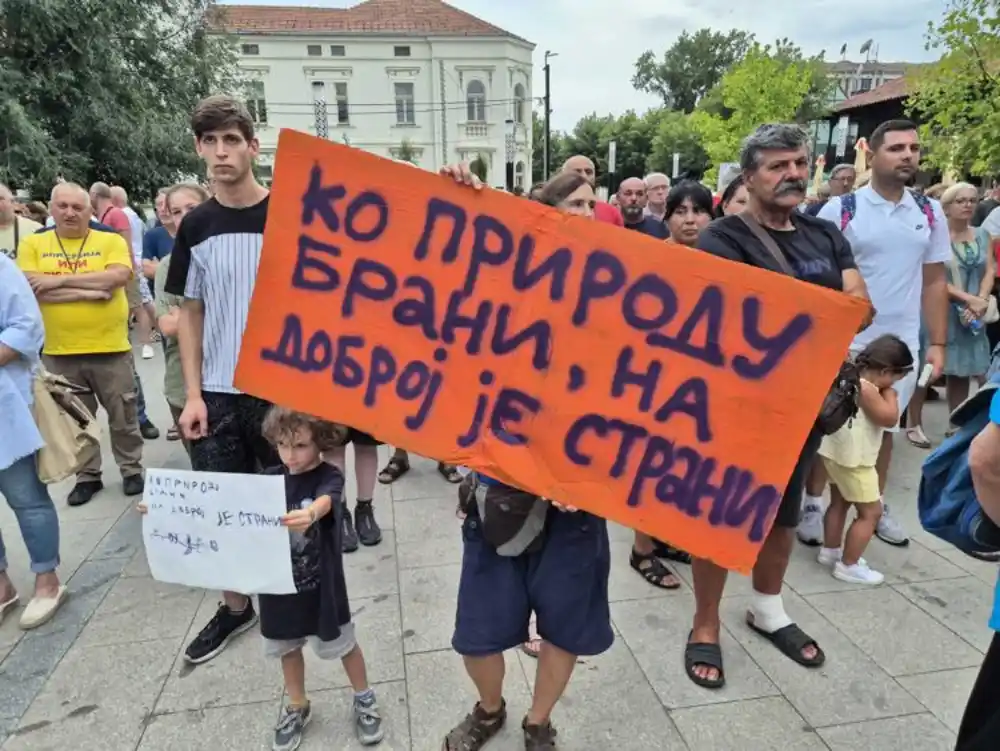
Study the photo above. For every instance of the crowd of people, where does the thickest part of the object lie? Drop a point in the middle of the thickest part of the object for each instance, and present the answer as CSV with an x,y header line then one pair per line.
x,y
69,289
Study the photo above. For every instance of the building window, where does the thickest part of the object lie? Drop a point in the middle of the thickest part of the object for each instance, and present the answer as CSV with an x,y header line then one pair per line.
x,y
519,104
314,50
405,114
343,111
251,49
319,90
866,84
256,103
519,174
401,51
475,98
337,50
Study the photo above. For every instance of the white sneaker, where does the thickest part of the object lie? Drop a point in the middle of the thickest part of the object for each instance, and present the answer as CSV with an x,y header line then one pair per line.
x,y
810,529
828,556
891,531
859,573
148,352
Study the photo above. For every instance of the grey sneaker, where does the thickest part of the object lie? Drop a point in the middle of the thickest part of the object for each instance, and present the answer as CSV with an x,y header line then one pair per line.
x,y
891,531
810,529
291,724
368,722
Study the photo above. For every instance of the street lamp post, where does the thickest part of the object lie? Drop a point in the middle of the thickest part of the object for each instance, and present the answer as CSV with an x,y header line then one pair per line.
x,y
509,155
548,114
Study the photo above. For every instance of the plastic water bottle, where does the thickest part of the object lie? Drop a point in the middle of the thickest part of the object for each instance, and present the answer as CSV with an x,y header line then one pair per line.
x,y
976,326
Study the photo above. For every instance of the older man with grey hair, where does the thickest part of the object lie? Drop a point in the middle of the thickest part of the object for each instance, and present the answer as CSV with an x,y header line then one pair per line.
x,y
841,182
657,187
775,167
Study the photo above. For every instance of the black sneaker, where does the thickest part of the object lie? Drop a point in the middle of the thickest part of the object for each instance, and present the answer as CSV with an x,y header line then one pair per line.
x,y
350,541
83,491
133,485
149,431
364,520
222,629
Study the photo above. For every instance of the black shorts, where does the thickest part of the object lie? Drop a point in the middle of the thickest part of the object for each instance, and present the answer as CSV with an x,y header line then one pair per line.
x,y
360,438
234,442
790,510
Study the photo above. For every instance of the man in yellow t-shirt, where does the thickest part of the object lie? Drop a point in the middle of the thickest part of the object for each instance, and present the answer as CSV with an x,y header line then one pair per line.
x,y
78,271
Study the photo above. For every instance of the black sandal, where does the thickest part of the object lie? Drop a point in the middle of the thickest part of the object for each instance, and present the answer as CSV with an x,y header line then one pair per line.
x,y
538,737
669,552
708,655
478,727
790,641
392,471
450,473
652,569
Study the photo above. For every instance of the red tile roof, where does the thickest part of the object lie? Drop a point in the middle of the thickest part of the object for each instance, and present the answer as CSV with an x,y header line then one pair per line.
x,y
897,88
403,17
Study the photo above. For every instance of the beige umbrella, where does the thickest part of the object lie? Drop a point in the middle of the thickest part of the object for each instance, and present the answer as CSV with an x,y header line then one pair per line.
x,y
818,174
861,155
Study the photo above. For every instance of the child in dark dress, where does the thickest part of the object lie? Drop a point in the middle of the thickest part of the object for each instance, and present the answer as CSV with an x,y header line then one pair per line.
x,y
319,612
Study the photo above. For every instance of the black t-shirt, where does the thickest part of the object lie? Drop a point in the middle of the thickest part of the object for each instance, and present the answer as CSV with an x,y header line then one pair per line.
x,y
320,606
651,226
816,250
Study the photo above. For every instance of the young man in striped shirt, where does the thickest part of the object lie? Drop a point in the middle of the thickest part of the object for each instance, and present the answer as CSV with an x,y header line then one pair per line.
x,y
214,267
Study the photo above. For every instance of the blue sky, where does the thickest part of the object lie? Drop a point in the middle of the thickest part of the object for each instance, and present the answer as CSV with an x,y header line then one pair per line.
x,y
598,41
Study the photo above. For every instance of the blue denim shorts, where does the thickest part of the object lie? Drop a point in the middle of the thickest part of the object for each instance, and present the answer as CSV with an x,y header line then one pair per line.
x,y
565,584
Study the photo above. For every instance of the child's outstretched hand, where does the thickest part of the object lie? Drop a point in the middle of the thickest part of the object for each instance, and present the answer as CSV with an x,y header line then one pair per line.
x,y
299,521
142,508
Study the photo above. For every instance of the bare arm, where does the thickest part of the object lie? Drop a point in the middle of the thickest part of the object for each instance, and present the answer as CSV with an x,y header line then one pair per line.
x,y
169,322
989,274
103,281
854,285
935,303
984,465
8,354
882,408
72,295
149,268
191,327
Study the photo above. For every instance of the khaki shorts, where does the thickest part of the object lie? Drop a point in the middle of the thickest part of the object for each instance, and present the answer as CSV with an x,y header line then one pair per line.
x,y
132,293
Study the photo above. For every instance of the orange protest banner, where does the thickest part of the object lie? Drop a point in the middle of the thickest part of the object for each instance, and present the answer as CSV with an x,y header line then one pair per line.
x,y
648,383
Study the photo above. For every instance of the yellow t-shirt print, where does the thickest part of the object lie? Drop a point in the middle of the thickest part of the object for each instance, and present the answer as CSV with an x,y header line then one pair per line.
x,y
86,327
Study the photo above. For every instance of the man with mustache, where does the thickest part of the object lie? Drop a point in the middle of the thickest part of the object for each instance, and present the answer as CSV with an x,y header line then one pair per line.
x,y
775,165
901,244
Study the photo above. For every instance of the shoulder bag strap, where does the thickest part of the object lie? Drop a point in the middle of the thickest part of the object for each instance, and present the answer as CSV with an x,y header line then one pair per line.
x,y
768,241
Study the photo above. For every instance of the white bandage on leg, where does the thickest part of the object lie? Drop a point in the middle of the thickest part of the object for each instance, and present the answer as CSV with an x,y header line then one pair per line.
x,y
768,612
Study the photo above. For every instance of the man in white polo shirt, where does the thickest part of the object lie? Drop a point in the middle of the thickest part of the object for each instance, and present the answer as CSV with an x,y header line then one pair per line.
x,y
901,244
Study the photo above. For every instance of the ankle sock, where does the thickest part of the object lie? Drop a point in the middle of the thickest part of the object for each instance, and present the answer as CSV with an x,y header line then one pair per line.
x,y
813,503
768,612
831,552
364,501
365,697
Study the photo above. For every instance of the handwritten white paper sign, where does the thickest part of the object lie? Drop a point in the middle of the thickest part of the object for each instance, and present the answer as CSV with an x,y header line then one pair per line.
x,y
217,531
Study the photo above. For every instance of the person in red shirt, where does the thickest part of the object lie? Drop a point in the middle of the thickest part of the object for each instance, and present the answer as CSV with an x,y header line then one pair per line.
x,y
603,212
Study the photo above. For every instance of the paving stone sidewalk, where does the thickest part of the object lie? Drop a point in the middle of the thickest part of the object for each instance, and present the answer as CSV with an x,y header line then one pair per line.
x,y
107,673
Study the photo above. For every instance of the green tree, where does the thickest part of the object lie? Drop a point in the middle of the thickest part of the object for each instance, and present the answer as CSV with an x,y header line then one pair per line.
x,y
958,98
406,152
556,148
762,88
103,89
589,138
675,133
633,135
691,67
